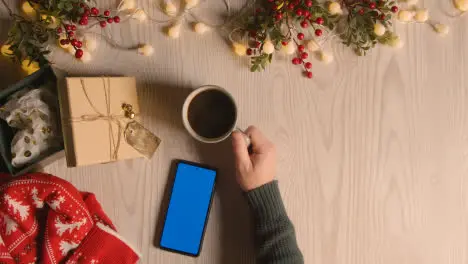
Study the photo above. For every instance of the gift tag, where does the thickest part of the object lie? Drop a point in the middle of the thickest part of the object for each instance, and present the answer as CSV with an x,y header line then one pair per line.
x,y
141,139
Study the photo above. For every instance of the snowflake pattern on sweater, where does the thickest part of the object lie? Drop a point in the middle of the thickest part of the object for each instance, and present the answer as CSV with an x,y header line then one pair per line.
x,y
68,220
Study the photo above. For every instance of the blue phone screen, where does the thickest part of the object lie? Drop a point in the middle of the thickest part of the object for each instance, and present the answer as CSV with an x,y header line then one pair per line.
x,y
188,208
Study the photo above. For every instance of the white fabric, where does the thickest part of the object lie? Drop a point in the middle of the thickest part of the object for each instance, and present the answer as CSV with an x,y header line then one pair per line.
x,y
33,113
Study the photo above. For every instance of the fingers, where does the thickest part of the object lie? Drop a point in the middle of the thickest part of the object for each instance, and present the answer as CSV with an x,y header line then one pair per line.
x,y
240,151
259,142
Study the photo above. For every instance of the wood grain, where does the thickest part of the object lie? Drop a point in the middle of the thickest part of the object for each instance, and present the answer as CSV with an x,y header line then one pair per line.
x,y
373,152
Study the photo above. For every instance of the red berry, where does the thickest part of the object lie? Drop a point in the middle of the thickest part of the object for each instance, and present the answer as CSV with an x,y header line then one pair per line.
x,y
103,24
94,11
278,16
257,44
291,6
253,33
306,13
309,3
59,30
78,53
361,12
300,36
86,12
107,13
84,17
296,61
382,17
249,52
309,74
274,7
71,34
394,9
271,1
117,19
110,20
74,41
308,65
83,22
300,48
319,20
82,5
304,55
258,10
284,43
73,27
318,32
79,44
372,5
63,41
304,24
68,27
299,12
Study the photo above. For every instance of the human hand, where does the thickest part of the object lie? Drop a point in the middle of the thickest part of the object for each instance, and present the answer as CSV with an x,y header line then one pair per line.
x,y
256,169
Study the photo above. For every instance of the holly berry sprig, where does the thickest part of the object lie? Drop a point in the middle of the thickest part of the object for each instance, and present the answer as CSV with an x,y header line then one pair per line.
x,y
86,14
284,24
44,20
368,22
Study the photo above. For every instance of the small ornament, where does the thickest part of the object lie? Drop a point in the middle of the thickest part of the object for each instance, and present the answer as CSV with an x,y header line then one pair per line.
x,y
268,47
461,5
170,9
174,31
325,57
127,5
200,28
421,15
63,42
6,51
290,48
441,29
334,8
405,16
140,15
146,50
30,67
312,45
90,43
189,4
239,49
28,10
51,20
379,29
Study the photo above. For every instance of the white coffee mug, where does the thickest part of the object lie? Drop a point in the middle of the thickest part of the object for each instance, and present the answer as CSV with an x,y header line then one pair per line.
x,y
193,133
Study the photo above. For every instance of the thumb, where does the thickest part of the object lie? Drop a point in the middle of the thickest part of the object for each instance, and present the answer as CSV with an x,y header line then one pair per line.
x,y
241,152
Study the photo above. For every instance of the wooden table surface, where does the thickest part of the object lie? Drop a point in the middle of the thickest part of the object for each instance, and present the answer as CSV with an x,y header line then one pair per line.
x,y
372,151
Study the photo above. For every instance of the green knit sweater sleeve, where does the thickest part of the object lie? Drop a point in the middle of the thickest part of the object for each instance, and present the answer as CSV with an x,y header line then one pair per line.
x,y
275,237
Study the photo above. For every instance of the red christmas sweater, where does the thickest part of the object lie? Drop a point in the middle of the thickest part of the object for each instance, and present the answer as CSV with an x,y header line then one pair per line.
x,y
44,219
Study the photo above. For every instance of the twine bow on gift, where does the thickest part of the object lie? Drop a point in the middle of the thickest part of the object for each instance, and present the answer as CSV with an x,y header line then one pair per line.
x,y
135,134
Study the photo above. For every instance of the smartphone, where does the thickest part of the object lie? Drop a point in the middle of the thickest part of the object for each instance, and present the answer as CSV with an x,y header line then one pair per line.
x,y
188,209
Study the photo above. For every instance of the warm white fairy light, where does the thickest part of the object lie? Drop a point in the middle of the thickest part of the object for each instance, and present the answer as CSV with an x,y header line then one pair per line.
x,y
325,57
127,5
146,50
268,47
90,43
441,29
405,16
379,29
461,5
421,15
140,15
200,28
290,48
239,49
169,8
190,4
334,8
174,30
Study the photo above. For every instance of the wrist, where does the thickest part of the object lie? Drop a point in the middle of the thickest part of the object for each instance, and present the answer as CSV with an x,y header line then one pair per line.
x,y
265,201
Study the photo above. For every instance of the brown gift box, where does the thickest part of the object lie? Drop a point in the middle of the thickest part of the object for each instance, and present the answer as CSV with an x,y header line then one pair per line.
x,y
92,110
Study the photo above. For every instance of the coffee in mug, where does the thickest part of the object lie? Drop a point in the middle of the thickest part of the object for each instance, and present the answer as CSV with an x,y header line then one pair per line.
x,y
210,114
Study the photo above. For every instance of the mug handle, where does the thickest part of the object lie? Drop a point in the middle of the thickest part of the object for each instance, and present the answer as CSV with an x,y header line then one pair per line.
x,y
247,139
